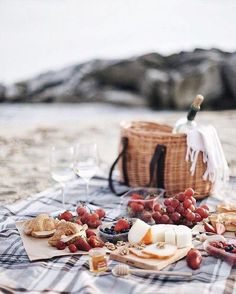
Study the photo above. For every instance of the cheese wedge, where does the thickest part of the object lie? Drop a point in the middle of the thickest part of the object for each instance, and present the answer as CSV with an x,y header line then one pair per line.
x,y
140,232
162,252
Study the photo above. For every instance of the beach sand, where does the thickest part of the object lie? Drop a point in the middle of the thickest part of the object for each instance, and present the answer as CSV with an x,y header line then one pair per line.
x,y
28,131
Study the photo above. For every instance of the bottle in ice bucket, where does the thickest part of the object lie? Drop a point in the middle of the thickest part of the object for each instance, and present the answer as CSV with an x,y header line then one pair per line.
x,y
185,124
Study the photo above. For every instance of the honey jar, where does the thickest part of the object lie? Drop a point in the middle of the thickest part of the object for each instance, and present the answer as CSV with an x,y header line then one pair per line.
x,y
97,260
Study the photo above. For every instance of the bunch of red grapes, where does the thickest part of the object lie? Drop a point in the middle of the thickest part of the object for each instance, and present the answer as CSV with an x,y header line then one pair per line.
x,y
180,209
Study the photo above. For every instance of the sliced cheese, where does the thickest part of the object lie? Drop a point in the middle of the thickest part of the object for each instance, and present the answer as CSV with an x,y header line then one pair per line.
x,y
140,232
165,251
158,233
139,253
183,236
170,235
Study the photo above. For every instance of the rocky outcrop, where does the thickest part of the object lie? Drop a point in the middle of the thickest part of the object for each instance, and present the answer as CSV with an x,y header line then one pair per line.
x,y
152,79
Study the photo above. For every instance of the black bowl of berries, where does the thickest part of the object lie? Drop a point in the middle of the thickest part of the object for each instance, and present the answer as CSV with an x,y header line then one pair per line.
x,y
115,231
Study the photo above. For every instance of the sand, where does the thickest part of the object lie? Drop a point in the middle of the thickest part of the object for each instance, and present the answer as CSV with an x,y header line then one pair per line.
x,y
28,131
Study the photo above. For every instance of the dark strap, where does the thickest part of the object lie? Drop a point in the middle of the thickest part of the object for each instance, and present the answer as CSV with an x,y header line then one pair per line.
x,y
122,155
158,163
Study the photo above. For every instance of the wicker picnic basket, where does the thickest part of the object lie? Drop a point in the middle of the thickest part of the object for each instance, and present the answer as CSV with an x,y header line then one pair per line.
x,y
150,155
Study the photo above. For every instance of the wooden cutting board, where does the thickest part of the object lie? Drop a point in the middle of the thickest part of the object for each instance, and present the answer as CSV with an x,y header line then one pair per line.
x,y
150,263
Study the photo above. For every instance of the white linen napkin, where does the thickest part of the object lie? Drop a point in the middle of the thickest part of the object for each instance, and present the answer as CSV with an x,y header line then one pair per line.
x,y
205,139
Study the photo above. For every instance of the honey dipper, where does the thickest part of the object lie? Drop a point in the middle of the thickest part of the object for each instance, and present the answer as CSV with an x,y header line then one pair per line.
x,y
124,270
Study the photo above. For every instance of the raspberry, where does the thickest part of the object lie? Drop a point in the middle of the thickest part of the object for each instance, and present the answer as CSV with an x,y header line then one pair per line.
x,y
60,245
95,242
72,248
100,212
122,224
82,244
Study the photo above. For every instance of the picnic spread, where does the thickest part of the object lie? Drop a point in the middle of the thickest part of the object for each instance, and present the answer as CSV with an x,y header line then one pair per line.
x,y
167,224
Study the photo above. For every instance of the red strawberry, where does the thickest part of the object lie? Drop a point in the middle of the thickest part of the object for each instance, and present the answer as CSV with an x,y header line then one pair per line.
x,y
60,245
93,217
95,242
72,248
136,207
82,244
78,221
94,224
135,196
66,215
209,228
90,233
81,210
84,217
122,224
100,212
220,228
148,204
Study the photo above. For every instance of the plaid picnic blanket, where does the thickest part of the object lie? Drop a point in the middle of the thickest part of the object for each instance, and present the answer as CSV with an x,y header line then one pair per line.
x,y
70,274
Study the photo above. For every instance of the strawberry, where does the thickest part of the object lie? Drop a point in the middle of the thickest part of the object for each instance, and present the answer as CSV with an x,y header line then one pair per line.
x,y
95,242
84,217
220,228
93,217
136,207
209,228
60,245
148,204
78,221
122,224
82,244
66,215
100,212
90,233
136,196
94,224
72,248
81,210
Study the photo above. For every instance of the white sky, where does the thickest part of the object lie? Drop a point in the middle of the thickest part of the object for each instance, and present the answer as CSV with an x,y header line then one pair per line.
x,y
38,35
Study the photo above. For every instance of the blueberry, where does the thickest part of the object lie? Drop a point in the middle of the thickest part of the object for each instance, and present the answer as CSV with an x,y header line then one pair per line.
x,y
112,227
107,229
229,248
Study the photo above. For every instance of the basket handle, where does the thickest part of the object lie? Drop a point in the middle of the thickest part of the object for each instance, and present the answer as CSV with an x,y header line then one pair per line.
x,y
158,163
122,155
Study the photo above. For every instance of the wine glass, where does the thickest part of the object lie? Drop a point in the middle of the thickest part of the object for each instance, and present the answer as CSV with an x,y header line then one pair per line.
x,y
86,163
61,167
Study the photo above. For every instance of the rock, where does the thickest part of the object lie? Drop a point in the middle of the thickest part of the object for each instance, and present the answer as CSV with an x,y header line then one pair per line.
x,y
159,81
204,78
2,92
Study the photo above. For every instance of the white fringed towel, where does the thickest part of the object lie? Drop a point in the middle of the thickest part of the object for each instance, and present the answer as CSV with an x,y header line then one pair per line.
x,y
205,139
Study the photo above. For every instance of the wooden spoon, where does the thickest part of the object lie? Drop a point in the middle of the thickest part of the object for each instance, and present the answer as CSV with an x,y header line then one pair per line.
x,y
124,270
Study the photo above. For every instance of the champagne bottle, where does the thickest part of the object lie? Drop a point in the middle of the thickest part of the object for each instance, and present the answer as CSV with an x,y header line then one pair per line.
x,y
185,124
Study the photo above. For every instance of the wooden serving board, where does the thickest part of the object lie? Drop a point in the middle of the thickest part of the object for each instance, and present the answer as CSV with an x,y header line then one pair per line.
x,y
149,263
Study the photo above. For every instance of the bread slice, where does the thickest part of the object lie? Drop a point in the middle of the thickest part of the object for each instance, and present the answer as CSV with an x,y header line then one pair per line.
x,y
139,253
43,234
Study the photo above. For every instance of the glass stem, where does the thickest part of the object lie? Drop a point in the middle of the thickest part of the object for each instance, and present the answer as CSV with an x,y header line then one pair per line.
x,y
63,194
87,192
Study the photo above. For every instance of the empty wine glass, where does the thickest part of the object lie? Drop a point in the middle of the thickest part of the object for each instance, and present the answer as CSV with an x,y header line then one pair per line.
x,y
86,163
61,167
